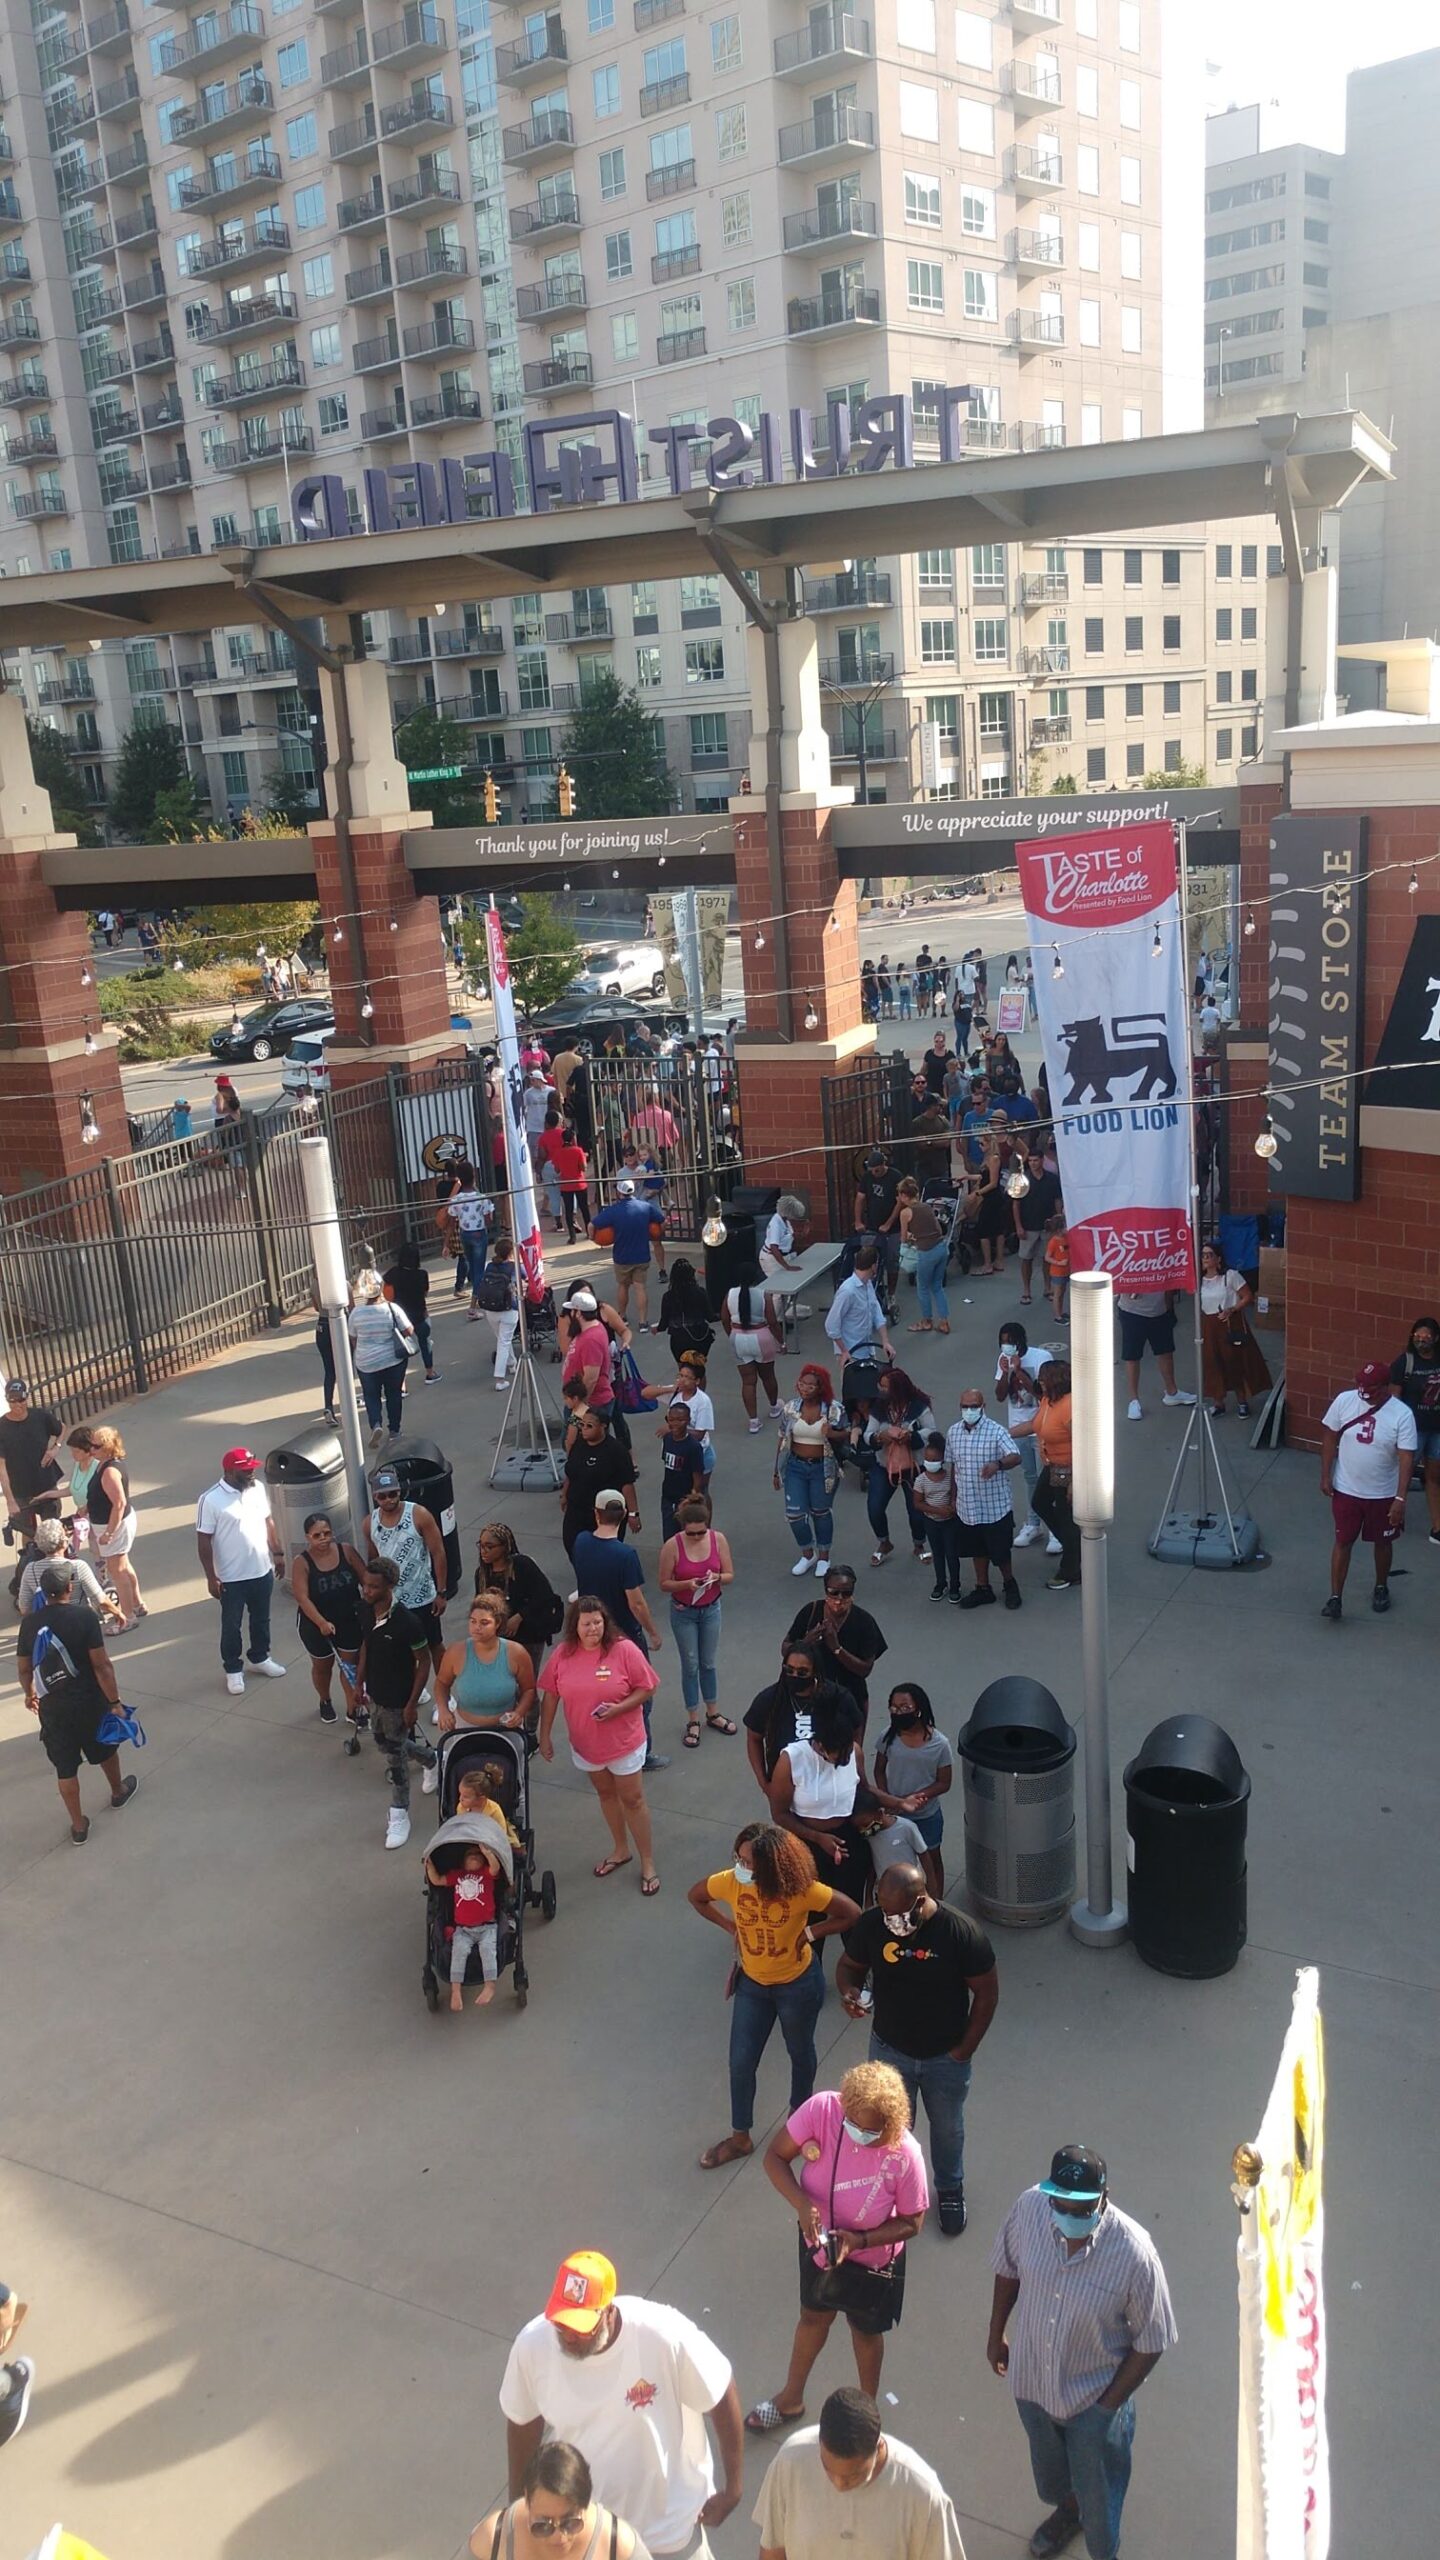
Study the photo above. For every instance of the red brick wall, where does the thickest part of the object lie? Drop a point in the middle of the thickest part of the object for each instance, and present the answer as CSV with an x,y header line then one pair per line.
x,y
783,1127
824,965
46,1006
405,970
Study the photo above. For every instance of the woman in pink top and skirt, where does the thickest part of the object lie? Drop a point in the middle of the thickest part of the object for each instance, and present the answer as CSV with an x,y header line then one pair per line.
x,y
602,1681
695,1566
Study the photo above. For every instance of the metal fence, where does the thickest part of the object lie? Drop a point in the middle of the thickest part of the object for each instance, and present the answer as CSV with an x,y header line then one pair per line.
x,y
868,1106
683,1113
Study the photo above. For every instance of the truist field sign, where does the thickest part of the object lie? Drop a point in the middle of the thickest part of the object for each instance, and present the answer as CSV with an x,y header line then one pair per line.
x,y
581,460
1104,916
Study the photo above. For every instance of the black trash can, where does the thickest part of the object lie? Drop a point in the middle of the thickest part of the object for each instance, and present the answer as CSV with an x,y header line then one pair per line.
x,y
1019,1753
307,1473
424,1472
1187,1796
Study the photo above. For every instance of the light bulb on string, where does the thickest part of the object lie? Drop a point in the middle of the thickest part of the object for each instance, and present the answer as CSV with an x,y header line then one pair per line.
x,y
714,1230
1057,966
1017,1183
759,941
1249,926
86,980
1413,883
89,1125
615,874
660,864
91,1043
394,924
1267,1144
180,965
339,934
835,920
812,1018
1157,947
237,1027
367,1009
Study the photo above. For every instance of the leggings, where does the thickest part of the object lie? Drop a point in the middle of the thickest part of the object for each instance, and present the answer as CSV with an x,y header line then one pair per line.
x,y
880,1492
483,1940
1052,1502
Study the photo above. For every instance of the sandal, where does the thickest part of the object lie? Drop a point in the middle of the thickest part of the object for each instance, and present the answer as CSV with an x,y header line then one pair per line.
x,y
608,1866
767,2415
649,1886
882,1555
692,1734
719,1723
736,2146
919,1328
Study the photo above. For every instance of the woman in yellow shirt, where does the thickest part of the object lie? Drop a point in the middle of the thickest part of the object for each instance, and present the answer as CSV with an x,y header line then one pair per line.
x,y
774,1908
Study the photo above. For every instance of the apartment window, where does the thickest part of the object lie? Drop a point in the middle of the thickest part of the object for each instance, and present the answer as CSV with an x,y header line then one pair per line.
x,y
919,111
1249,560
176,180
1249,685
325,344
670,149
972,40
1132,426
922,199
1249,622
612,175
1224,623
1094,764
704,661
1224,746
1129,329
1087,248
302,137
1316,230
1134,568
1224,685
1249,742
185,248
1224,560
991,636
737,229
709,736
1134,702
937,642
1057,702
981,295
1057,632
619,261
310,209
1089,322
624,336
599,15
1087,90
975,127
644,605
236,774
1134,634
319,275
1129,180
1091,426
1087,169
935,569
605,85
1093,568
987,568
1170,697
740,302
1130,256
1086,18
1127,26
647,668
292,63
334,413
1169,568
1130,105
1315,185
925,285
699,595
915,25
977,213
1170,631
674,231
1094,635
726,51
732,139
1173,757
1135,760
1274,561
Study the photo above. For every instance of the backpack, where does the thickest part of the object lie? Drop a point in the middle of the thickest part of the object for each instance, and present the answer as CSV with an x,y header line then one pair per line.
x,y
496,1289
52,1666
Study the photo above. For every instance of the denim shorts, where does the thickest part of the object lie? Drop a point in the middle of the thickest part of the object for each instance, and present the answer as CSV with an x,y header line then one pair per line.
x,y
930,1824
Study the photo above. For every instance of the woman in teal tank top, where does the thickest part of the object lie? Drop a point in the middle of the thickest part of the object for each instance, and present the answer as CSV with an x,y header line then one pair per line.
x,y
487,1680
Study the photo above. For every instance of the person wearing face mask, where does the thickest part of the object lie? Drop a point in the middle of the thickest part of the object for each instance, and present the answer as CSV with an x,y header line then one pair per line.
x,y
932,1973
1082,2292
1368,1441
982,1456
1416,1377
785,1711
847,1640
773,1906
853,2174
588,2367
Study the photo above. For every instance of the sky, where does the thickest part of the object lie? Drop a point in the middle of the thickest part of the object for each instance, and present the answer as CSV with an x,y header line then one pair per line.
x,y
1300,56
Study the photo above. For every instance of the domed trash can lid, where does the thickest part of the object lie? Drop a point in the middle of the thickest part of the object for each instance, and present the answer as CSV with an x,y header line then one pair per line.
x,y
1189,1764
307,1457
1016,1723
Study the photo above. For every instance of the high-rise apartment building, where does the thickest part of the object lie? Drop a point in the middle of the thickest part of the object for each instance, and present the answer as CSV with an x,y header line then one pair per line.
x,y
1270,247
242,243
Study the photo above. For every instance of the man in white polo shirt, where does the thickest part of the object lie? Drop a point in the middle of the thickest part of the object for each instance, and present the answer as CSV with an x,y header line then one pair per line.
x,y
1367,1453
240,1555
631,2383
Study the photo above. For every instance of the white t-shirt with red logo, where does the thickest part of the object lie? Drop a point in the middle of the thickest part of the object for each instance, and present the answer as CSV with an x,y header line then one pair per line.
x,y
1367,1462
636,2410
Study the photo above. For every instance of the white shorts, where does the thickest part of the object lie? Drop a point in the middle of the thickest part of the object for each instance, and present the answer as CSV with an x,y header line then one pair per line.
x,y
754,1350
119,1541
629,1767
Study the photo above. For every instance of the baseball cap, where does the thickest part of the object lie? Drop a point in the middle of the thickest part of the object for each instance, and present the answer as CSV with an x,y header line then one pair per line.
x,y
625,1187
1074,2171
585,2285
583,1302
610,1500
1374,1378
243,1458
385,1480
16,1390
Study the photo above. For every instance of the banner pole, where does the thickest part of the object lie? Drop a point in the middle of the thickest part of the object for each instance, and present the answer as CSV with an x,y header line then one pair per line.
x,y
1182,849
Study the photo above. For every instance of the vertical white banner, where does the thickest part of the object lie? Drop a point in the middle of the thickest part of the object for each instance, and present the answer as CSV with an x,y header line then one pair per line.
x,y
524,1219
1104,917
1283,2469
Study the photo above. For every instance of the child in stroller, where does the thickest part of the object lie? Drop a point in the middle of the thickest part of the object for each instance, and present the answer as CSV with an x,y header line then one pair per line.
x,y
472,1928
484,1804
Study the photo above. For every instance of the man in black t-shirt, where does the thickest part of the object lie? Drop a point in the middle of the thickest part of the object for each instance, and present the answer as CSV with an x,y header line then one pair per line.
x,y
69,1683
847,1641
877,1213
784,1712
390,1673
595,1463
1032,1215
932,1972
30,1474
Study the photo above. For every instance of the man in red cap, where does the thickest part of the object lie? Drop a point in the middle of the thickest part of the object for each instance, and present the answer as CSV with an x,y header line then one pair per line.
x,y
1367,1453
240,1555
631,2383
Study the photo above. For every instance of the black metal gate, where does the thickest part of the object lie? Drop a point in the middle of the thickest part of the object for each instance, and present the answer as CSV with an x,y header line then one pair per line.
x,y
869,1106
683,1112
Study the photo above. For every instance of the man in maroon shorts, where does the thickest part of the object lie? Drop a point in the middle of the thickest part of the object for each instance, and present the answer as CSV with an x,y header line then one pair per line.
x,y
1366,1455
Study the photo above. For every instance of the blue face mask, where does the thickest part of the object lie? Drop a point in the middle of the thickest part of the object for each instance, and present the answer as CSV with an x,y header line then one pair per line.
x,y
1074,2226
855,2134
743,1875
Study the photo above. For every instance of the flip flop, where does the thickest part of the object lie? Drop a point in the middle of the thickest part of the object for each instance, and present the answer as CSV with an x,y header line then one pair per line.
x,y
692,1734
649,1886
608,1866
767,2415
720,1724
720,2154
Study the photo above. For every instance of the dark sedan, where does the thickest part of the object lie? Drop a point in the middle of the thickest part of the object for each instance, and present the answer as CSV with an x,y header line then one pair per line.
x,y
589,1020
268,1030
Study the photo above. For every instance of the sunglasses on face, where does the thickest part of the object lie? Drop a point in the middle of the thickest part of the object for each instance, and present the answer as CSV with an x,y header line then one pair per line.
x,y
543,2526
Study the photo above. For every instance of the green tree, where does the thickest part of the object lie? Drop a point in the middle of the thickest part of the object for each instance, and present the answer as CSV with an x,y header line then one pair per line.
x,y
151,761
544,951
613,756
1064,787
236,933
53,762
289,800
430,738
1180,777
181,812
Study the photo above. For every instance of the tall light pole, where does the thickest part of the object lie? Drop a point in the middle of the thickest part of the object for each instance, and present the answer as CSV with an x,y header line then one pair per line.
x,y
332,1285
1099,1920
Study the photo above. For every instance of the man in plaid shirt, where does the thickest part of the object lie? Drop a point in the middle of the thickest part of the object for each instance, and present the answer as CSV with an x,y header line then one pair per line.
x,y
982,1454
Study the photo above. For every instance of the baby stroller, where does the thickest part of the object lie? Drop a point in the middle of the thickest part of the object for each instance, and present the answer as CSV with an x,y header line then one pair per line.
x,y
542,1326
462,1754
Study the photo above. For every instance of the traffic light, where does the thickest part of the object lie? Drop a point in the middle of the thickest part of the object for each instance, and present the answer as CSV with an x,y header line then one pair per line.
x,y
566,789
492,798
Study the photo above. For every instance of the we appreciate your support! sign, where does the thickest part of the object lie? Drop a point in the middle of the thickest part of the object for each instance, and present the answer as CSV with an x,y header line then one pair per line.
x,y
1115,1031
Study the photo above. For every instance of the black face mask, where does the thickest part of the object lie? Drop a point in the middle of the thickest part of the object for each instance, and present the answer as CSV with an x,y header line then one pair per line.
x,y
802,1679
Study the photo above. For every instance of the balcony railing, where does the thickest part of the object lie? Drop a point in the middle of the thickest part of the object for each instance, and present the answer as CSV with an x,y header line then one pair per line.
x,y
559,373
413,33
676,180
350,63
1029,439
232,391
556,294
141,293
654,13
356,140
375,424
259,168
377,355
858,308
120,426
76,686
150,353
1035,171
232,31
545,134
250,96
679,346
493,705
658,96
473,643
1031,86
418,265
26,391
427,187
369,281
136,226
1041,12
831,36
546,218
169,475
1052,661
1037,249
572,630
532,54
40,503
10,212
159,415
858,669
250,454
1037,329
842,128
356,213
440,337
671,263
17,330
1043,586
259,311
824,227
40,445
431,112
1053,731
844,594
882,746
441,409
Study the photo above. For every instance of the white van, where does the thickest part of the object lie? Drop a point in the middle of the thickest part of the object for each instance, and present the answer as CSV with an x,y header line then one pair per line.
x,y
305,1069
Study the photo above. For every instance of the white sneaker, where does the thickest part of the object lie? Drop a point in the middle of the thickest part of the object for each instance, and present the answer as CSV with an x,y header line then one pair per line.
x,y
1027,1536
1053,1547
777,1413
397,1827
500,1385
424,1699
822,1567
801,1565
269,1669
800,1313
1179,1397
235,1683
1135,1411
376,1436
430,1783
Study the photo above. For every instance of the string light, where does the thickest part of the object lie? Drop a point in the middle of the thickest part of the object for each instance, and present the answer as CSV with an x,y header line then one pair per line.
x,y
759,941
367,1010
86,979
1267,1144
89,1125
714,1230
615,874
1157,947
91,1043
661,861
834,920
1249,926
338,935
1057,967
394,924
237,1027
1017,1182
812,1018
1413,883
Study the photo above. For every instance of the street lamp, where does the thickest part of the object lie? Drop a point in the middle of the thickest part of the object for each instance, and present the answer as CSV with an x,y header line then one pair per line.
x,y
1099,1920
332,1287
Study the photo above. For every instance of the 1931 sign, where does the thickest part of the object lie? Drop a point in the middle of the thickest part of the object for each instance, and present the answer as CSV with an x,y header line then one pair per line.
x,y
1317,992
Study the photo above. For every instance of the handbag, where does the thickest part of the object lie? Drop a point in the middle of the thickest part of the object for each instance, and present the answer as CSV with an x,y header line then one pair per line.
x,y
120,1725
848,2287
635,1396
909,1255
404,1333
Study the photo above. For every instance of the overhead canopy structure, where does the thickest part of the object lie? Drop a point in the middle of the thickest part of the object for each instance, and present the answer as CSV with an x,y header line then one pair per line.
x,y
1275,465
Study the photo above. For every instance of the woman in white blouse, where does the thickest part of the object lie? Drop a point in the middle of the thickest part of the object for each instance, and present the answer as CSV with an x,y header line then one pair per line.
x,y
1231,1358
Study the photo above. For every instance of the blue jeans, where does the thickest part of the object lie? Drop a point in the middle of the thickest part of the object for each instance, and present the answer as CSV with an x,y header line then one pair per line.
x,y
697,1641
930,1283
235,1599
879,1492
473,1249
1084,2462
1029,1448
807,1504
753,2013
426,1340
944,1538
942,2083
905,1003
387,1386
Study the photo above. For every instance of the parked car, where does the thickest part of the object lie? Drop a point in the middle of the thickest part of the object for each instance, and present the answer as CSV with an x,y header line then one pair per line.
x,y
305,1069
268,1030
588,1020
621,969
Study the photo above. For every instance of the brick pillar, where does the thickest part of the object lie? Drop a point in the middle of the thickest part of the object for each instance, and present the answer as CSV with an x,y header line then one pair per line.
x,y
45,1006
1244,1066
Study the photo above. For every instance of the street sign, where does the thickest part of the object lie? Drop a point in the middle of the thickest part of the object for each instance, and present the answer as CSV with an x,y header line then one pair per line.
x,y
436,772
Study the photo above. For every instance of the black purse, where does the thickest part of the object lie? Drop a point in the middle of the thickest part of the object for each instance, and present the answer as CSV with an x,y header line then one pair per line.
x,y
848,2287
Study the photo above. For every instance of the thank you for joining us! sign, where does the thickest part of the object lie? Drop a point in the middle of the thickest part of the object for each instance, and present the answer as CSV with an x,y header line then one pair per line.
x,y
595,455
1104,916
1317,986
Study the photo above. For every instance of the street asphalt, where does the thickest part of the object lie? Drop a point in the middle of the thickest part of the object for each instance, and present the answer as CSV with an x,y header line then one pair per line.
x,y
278,2224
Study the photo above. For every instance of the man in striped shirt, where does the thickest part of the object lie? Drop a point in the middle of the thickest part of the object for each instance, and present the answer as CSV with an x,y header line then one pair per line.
x,y
1083,2292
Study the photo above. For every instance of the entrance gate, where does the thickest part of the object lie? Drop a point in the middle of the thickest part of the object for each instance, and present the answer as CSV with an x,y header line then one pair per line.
x,y
869,1106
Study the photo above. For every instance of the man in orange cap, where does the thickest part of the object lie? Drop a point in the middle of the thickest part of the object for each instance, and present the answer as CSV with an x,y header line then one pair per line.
x,y
631,2383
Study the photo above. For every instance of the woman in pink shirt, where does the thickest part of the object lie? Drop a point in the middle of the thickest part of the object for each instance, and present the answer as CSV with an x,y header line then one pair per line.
x,y
602,1681
859,2195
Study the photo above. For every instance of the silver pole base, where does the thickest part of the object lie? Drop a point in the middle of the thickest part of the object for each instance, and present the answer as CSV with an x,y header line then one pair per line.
x,y
1099,1929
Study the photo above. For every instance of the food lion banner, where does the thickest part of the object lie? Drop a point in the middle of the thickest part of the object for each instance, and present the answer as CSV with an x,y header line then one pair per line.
x,y
525,1223
1283,2483
1116,1036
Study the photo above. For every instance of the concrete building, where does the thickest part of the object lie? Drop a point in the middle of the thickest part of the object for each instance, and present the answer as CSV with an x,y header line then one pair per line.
x,y
250,241
1270,247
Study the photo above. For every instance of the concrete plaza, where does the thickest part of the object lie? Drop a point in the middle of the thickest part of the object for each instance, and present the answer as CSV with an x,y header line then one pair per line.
x,y
278,2224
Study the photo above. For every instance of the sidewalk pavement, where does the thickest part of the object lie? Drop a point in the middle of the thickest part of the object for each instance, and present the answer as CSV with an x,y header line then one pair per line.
x,y
278,2224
